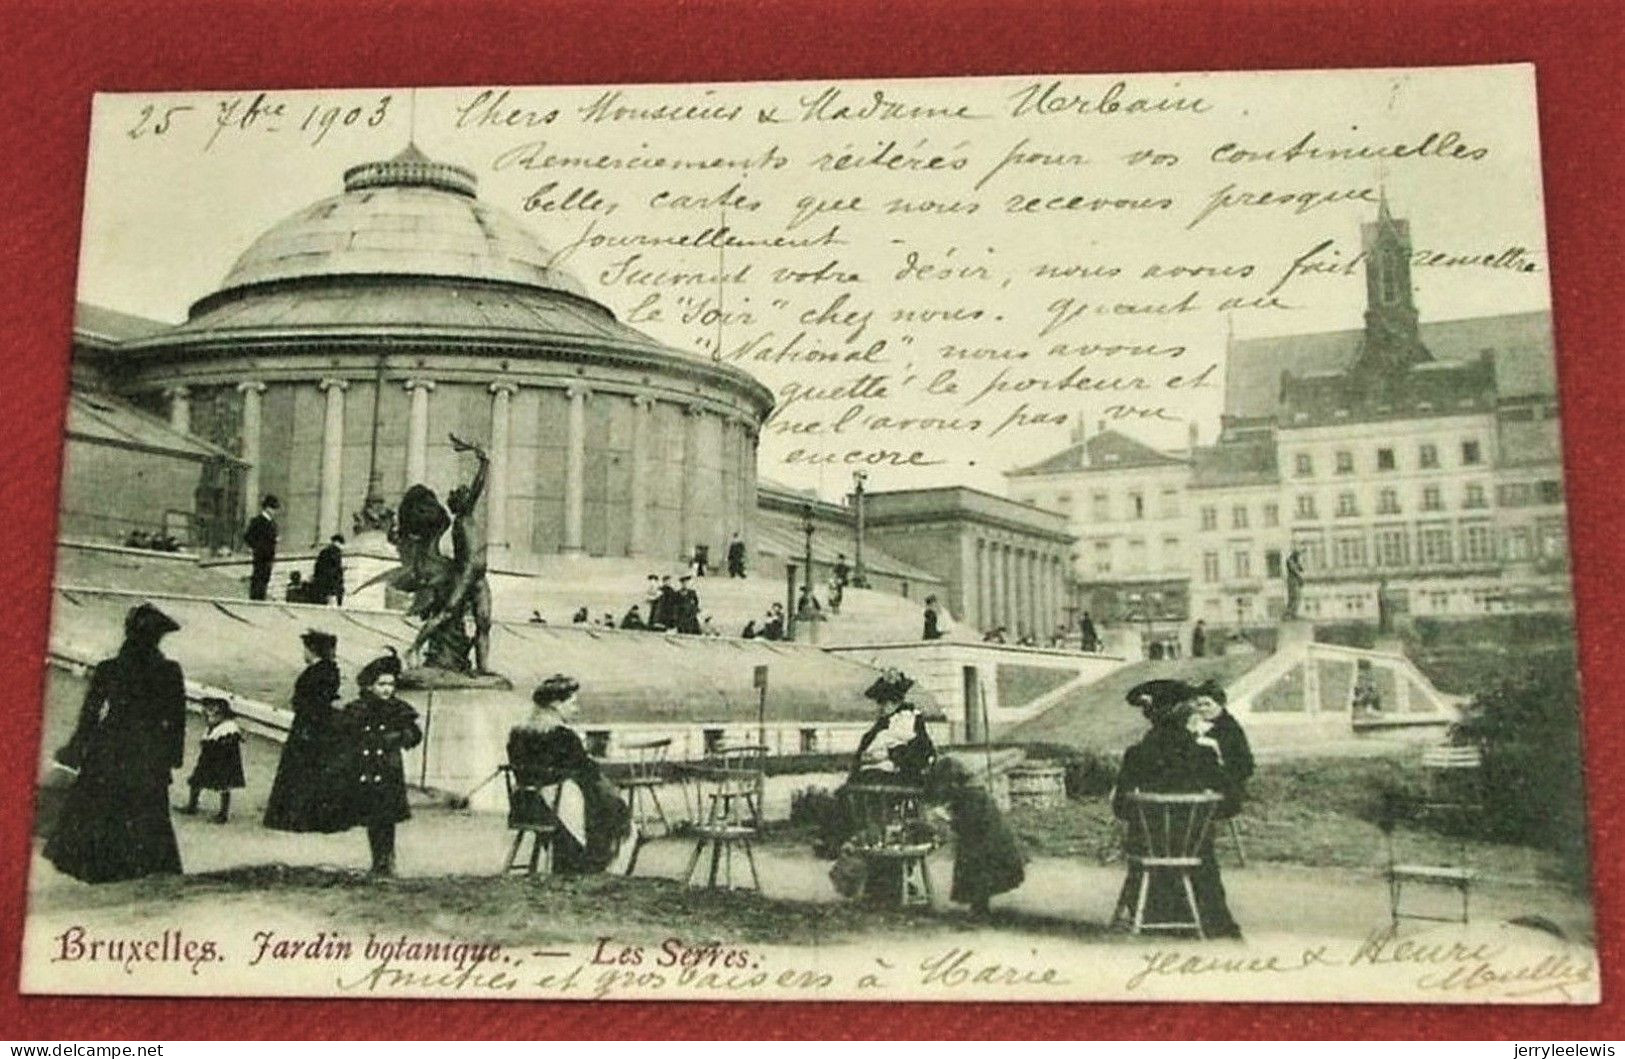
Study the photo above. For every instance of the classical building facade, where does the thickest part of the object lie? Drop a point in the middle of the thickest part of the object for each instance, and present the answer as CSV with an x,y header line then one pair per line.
x,y
1419,459
350,340
1002,563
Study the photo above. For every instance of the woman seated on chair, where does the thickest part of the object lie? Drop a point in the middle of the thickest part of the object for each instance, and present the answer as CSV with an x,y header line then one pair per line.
x,y
896,749
896,752
557,782
1175,757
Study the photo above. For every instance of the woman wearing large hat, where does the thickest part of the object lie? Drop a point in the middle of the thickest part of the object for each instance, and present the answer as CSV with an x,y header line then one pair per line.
x,y
373,731
559,782
114,823
1174,757
896,748
303,795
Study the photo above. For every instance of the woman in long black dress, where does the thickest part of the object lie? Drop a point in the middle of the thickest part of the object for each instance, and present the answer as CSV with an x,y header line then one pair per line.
x,y
1175,757
115,820
373,731
561,784
303,794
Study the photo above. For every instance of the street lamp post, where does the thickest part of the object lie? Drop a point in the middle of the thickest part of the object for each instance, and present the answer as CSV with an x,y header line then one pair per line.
x,y
1241,631
807,531
860,578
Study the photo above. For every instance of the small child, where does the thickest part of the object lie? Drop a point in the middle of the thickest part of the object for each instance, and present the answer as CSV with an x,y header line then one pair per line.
x,y
220,758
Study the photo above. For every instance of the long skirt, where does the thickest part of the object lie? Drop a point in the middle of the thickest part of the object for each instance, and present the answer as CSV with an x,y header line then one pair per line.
x,y
112,829
594,825
306,795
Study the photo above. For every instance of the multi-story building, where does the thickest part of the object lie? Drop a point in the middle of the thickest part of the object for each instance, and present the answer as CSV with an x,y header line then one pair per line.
x,y
1128,504
1422,459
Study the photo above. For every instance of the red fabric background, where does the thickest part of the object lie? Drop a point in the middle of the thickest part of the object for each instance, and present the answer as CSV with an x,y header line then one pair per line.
x,y
56,55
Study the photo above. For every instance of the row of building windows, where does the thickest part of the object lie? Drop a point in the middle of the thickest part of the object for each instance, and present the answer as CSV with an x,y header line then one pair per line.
x,y
1136,560
1386,458
1360,604
1431,544
1134,505
1474,496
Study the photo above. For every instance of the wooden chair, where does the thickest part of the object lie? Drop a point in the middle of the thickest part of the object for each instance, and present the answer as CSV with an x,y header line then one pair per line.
x,y
1168,833
890,834
645,775
730,799
1454,796
1232,828
529,814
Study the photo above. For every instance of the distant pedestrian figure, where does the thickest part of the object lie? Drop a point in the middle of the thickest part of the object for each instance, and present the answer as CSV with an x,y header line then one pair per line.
x,y
933,619
220,758
131,732
736,556
632,620
1091,638
327,582
1199,639
260,536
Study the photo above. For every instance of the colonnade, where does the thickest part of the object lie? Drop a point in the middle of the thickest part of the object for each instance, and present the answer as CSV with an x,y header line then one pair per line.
x,y
739,460
1017,585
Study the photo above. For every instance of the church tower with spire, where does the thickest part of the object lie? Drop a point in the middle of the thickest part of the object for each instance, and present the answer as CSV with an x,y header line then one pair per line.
x,y
1392,340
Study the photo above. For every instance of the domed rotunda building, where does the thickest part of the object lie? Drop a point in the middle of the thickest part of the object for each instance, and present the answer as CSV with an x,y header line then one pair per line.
x,y
351,339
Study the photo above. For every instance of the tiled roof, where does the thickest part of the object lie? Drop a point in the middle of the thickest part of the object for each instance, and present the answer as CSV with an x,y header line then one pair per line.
x,y
1235,463
1429,389
1108,450
1519,343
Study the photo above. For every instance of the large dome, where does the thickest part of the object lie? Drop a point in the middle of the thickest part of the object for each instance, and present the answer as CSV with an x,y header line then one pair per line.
x,y
409,216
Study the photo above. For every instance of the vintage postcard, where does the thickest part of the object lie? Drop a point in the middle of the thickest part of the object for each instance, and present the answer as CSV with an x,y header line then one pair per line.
x,y
1030,538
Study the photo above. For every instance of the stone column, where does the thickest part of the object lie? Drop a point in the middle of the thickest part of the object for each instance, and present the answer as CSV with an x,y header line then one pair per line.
x,y
417,432
747,528
685,492
984,584
637,543
1033,610
180,408
575,469
329,503
496,488
1006,615
251,445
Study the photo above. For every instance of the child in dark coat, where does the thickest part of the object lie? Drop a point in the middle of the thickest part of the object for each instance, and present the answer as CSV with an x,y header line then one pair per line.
x,y
988,858
220,758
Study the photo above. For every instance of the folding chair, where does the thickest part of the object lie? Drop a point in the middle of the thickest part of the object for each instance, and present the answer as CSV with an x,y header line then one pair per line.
x,y
1453,778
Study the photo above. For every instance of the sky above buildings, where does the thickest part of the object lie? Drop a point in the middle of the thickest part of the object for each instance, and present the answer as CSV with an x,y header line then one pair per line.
x,y
937,278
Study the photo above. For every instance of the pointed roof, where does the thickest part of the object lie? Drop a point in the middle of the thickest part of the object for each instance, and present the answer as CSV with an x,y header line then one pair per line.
x,y
1107,451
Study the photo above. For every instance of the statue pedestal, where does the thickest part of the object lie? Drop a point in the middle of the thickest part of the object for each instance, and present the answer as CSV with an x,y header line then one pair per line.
x,y
465,739
1293,631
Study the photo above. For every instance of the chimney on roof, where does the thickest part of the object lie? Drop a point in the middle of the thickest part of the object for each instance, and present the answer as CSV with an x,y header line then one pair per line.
x,y
1193,436
1100,426
1080,429
1080,438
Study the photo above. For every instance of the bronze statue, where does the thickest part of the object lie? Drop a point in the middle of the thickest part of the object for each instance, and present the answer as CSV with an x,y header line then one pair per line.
x,y
464,592
1294,583
446,593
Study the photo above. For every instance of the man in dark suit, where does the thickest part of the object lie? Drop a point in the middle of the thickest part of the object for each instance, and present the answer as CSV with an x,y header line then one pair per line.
x,y
688,608
736,556
260,536
667,606
327,583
